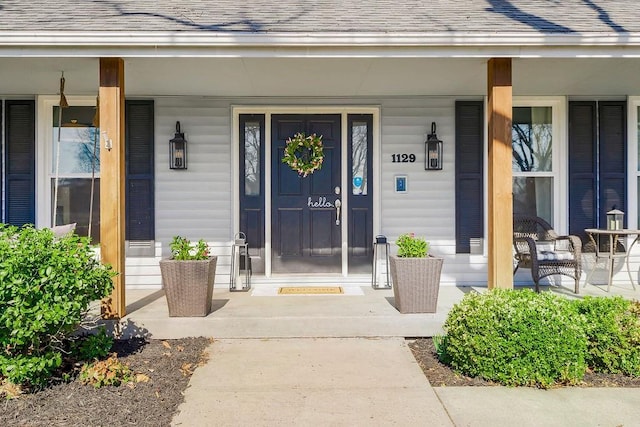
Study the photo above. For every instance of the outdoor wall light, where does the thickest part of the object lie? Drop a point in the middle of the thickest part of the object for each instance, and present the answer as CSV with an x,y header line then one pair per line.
x,y
433,150
178,150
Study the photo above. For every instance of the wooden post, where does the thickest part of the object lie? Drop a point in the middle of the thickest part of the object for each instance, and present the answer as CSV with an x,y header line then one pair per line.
x,y
112,179
499,108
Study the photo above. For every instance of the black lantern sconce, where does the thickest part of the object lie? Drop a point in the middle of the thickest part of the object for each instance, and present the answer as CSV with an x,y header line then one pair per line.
x,y
433,150
178,150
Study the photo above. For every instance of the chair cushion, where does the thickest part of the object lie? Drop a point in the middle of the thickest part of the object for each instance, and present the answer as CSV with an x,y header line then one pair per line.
x,y
555,256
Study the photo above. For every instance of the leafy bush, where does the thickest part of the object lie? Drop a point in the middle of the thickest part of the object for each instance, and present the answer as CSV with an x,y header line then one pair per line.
x,y
182,250
517,338
106,372
613,334
92,347
46,286
410,246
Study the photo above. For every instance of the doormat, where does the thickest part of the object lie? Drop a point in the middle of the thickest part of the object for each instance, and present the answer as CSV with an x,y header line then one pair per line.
x,y
311,290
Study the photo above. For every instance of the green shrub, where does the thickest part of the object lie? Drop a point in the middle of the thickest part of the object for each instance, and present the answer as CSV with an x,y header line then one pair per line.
x,y
90,347
517,338
46,286
613,334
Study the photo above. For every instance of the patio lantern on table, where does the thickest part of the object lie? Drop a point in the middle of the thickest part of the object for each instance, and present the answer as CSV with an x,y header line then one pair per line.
x,y
178,150
615,219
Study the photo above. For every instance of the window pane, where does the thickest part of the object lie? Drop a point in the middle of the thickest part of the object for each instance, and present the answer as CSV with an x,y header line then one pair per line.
x,y
532,132
252,159
533,196
79,140
639,141
359,158
74,197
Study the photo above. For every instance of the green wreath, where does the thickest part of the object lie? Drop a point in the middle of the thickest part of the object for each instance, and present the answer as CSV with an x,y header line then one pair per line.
x,y
304,154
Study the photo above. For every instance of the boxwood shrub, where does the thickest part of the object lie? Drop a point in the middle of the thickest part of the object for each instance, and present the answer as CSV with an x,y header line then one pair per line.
x,y
46,287
613,334
517,338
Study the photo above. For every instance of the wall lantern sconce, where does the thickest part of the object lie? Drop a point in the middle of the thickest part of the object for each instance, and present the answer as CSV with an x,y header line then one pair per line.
x,y
178,150
433,150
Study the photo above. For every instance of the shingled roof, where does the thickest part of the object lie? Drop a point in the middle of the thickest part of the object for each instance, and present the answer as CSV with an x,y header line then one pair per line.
x,y
324,16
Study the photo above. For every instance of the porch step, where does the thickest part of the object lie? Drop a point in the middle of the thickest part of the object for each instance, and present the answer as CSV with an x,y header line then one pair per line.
x,y
362,312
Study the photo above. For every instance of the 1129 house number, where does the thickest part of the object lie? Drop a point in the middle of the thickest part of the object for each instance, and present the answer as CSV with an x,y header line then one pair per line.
x,y
403,158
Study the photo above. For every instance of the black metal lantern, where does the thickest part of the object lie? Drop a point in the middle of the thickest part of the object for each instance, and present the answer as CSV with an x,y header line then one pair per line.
x,y
178,150
433,150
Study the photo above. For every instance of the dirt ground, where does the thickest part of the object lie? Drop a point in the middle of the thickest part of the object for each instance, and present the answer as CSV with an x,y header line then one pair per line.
x,y
169,365
440,375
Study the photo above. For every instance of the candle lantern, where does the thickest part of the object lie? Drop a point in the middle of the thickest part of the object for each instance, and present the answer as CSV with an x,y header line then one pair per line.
x,y
615,219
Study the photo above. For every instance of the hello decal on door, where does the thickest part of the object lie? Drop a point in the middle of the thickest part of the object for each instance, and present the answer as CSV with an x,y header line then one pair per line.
x,y
322,202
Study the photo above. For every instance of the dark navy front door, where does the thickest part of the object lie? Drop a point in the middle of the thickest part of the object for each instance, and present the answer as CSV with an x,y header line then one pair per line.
x,y
306,229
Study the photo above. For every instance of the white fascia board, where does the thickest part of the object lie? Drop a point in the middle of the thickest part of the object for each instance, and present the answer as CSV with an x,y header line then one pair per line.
x,y
199,44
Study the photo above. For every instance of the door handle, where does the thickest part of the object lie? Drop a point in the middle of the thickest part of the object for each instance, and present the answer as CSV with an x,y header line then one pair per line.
x,y
338,204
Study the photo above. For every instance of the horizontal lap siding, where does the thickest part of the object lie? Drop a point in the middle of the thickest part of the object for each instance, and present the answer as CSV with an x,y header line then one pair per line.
x,y
197,203
428,208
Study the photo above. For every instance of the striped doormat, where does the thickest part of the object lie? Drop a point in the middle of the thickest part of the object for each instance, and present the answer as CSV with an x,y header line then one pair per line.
x,y
310,290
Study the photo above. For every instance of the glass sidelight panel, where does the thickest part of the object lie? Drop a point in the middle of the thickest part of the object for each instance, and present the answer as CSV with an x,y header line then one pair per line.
x,y
252,164
359,155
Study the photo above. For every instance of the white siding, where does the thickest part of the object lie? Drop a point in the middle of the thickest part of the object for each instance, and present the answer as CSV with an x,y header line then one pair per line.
x,y
197,203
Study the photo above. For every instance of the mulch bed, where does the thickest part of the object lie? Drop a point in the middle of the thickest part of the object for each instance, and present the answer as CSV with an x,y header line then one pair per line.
x,y
440,375
169,365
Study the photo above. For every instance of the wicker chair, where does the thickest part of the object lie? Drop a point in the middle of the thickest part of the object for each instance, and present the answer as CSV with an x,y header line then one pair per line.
x,y
538,247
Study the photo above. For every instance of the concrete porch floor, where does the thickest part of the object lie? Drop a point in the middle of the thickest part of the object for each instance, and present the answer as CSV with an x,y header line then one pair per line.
x,y
364,312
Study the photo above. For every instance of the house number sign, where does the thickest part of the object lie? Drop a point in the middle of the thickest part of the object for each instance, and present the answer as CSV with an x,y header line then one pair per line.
x,y
403,158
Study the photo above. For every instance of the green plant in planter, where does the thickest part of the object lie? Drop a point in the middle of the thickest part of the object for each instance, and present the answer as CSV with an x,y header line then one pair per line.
x,y
410,246
183,250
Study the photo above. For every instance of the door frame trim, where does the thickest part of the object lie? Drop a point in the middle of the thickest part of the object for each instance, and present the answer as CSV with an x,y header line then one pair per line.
x,y
268,111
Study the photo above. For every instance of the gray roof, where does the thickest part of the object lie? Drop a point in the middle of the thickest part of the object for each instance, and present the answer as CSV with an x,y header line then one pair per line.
x,y
317,16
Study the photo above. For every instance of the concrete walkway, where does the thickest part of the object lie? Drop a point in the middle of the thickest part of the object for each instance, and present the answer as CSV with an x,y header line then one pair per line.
x,y
372,382
310,382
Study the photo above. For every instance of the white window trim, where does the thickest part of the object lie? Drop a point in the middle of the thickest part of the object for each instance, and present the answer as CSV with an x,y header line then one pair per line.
x,y
633,172
559,155
267,111
44,151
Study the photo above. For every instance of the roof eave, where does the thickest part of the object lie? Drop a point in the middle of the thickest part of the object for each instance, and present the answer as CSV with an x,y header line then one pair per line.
x,y
336,44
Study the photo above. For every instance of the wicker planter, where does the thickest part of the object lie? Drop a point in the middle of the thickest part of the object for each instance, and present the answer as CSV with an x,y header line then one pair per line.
x,y
188,286
416,282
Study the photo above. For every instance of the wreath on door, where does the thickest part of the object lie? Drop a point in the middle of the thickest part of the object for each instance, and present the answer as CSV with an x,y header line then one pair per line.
x,y
304,154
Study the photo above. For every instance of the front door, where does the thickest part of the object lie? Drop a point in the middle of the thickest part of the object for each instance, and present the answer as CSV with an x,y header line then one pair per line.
x,y
305,222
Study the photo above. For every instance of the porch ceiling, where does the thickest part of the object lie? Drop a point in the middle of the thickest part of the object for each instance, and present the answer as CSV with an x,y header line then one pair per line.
x,y
322,77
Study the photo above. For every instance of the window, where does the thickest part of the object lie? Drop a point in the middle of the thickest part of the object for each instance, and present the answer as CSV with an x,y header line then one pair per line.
x,y
359,153
75,170
252,158
533,161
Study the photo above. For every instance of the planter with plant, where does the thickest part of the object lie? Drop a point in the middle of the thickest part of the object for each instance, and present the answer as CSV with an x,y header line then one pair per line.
x,y
188,278
415,275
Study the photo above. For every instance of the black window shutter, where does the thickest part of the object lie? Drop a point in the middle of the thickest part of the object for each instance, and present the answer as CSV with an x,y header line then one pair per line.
x,y
582,166
140,209
612,120
20,125
469,173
